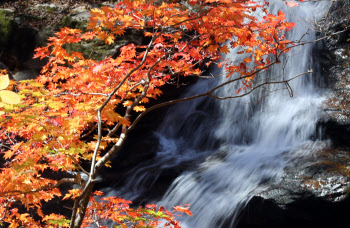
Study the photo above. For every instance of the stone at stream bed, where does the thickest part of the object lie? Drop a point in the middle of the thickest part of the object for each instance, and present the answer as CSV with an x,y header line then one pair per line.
x,y
335,65
26,74
312,193
81,16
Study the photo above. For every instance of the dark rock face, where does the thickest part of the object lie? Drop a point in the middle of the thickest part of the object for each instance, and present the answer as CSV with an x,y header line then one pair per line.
x,y
26,25
335,64
314,190
23,30
17,46
309,212
312,193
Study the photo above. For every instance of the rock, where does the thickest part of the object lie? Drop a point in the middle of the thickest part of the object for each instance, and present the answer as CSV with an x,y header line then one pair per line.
x,y
17,43
335,58
336,118
312,193
81,16
79,9
7,27
11,11
26,74
306,213
108,4
337,130
45,5
43,34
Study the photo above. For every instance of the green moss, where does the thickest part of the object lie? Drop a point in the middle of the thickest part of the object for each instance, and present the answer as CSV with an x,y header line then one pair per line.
x,y
51,9
91,50
30,17
7,26
67,21
95,49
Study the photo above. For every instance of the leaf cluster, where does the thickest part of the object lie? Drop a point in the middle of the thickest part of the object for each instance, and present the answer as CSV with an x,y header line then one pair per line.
x,y
82,109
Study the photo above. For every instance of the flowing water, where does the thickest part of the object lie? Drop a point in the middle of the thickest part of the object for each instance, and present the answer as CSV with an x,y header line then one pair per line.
x,y
231,148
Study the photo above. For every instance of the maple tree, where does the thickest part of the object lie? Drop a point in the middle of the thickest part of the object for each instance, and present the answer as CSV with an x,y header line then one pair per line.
x,y
82,109
7,96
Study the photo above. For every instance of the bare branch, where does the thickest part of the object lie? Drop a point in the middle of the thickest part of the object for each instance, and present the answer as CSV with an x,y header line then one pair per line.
x,y
260,85
79,94
329,10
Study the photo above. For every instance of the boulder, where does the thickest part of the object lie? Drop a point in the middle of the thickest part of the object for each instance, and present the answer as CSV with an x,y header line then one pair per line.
x,y
335,60
25,75
312,193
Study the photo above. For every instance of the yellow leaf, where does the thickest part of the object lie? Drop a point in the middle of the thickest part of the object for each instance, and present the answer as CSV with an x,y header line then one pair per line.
x,y
108,164
139,108
26,181
60,138
9,97
4,81
110,40
35,84
8,154
128,18
56,105
127,103
72,193
124,122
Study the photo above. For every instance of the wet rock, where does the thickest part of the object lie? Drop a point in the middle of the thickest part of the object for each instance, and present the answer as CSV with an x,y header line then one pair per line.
x,y
81,16
335,64
25,75
312,193
50,8
17,44
7,26
25,26
79,9
305,213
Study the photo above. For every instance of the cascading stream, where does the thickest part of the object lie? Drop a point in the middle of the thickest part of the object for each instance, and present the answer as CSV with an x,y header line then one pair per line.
x,y
236,146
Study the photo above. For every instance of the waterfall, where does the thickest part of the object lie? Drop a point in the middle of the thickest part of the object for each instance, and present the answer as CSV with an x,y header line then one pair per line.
x,y
231,149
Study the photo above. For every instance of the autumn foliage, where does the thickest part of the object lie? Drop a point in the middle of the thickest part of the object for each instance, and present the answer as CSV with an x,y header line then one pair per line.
x,y
82,109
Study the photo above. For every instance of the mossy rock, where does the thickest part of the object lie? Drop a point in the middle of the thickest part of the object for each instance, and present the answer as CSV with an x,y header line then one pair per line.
x,y
96,49
69,22
7,26
51,9
31,17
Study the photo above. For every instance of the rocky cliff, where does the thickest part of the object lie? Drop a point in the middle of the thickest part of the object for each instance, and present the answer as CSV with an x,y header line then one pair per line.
x,y
26,25
314,190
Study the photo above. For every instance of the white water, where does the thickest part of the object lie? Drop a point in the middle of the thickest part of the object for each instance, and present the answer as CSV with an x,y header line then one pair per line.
x,y
234,147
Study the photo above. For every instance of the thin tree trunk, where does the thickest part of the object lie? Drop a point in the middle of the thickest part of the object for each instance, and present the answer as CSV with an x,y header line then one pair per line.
x,y
80,206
